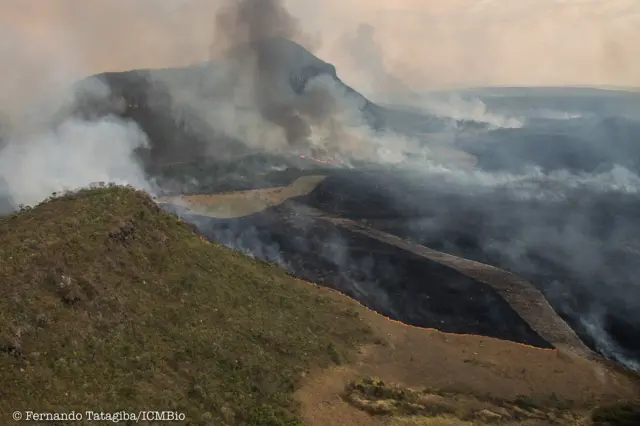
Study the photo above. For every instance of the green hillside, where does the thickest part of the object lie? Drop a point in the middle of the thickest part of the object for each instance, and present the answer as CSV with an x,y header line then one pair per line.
x,y
108,303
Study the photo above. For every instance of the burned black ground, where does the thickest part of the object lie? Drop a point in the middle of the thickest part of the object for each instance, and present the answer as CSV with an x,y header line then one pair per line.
x,y
387,279
580,251
576,249
588,281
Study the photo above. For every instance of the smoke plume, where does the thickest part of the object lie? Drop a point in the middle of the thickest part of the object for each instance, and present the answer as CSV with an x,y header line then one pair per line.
x,y
257,89
43,147
258,30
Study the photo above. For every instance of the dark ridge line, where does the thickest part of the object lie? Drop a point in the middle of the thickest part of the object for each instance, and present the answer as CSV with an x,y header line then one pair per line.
x,y
527,301
276,226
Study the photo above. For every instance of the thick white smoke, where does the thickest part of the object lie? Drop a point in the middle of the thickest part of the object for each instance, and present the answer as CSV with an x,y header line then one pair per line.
x,y
74,155
43,147
345,132
459,109
534,183
43,150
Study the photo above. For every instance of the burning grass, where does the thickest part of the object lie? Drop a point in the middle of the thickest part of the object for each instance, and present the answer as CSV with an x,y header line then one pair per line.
x,y
107,303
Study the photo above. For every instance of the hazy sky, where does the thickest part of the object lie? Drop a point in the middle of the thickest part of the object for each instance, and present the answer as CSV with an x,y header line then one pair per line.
x,y
422,44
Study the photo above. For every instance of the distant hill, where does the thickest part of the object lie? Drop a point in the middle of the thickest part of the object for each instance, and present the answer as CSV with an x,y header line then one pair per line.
x,y
172,104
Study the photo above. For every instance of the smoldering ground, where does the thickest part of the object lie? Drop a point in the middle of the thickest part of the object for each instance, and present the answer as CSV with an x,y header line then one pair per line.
x,y
569,230
556,204
264,96
392,281
565,226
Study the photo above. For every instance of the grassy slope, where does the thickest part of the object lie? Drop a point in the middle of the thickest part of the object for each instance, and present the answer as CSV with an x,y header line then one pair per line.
x,y
108,303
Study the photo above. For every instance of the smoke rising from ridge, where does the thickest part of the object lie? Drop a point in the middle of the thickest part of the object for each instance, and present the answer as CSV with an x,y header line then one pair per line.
x,y
43,148
41,155
425,44
253,21
255,30
268,92
251,94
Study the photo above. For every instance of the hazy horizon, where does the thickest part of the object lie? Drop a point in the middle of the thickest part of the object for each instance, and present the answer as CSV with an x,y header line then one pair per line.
x,y
378,46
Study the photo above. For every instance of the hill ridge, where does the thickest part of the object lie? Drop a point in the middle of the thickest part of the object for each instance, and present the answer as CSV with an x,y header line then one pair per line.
x,y
117,305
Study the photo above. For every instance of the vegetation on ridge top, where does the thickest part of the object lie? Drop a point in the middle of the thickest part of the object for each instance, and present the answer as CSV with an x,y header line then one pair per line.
x,y
108,303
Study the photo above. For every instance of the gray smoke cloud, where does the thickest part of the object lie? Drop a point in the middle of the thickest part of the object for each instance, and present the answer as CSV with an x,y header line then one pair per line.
x,y
253,21
266,111
260,91
45,149
290,87
256,32
264,91
426,44
571,233
362,51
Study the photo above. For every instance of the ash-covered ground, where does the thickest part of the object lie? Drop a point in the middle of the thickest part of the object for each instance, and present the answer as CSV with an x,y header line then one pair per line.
x,y
554,198
387,279
580,250
551,192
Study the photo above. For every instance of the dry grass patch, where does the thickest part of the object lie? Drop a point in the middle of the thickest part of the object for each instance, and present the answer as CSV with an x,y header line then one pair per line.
x,y
419,405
